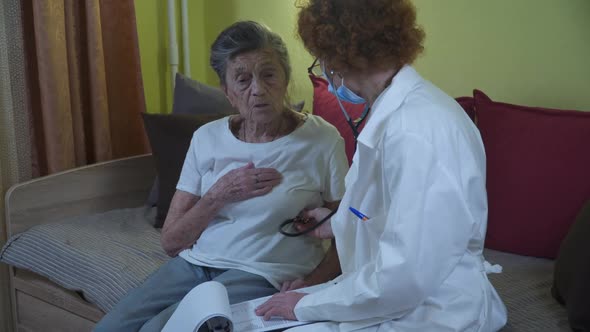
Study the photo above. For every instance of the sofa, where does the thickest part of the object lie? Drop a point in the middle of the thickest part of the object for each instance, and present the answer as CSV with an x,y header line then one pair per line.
x,y
43,301
80,239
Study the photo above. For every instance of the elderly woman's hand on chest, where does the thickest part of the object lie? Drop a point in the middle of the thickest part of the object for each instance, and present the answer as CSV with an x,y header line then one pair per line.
x,y
244,183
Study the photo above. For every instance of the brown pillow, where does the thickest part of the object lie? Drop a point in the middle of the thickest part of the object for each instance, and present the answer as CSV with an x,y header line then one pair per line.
x,y
571,284
170,136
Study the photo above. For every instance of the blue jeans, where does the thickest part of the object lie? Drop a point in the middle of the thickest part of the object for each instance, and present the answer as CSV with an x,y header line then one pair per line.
x,y
148,307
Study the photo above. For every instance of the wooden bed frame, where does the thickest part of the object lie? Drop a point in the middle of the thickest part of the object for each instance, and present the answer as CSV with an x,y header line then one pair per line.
x,y
37,303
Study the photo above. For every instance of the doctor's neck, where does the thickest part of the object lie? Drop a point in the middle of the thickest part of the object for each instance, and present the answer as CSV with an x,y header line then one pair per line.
x,y
370,82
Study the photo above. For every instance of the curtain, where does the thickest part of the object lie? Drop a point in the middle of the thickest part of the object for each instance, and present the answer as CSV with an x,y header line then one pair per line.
x,y
85,84
70,93
15,140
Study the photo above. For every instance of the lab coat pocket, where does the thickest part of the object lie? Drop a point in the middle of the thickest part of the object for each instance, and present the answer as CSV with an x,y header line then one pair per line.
x,y
369,232
374,225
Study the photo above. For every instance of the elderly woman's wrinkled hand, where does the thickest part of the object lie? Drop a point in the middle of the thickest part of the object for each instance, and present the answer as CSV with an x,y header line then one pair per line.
x,y
245,182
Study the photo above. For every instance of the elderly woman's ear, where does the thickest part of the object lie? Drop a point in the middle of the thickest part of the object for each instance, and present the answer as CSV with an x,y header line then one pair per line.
x,y
224,89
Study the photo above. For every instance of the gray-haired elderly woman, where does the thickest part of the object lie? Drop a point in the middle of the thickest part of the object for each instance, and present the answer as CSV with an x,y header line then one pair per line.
x,y
243,175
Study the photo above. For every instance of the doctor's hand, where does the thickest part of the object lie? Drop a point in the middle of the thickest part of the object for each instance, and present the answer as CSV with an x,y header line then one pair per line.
x,y
324,231
280,305
245,182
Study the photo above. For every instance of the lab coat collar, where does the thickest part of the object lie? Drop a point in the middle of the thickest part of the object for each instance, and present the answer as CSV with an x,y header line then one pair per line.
x,y
388,102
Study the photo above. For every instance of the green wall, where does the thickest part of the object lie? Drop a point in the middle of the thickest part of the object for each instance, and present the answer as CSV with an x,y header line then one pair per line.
x,y
152,27
151,23
531,52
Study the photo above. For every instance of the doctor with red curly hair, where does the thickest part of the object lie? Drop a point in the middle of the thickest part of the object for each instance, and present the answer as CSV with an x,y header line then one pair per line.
x,y
411,226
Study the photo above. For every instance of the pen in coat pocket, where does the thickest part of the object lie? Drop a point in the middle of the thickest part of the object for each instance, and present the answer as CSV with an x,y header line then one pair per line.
x,y
358,214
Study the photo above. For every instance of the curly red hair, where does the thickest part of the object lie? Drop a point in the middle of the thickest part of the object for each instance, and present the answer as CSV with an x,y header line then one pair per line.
x,y
354,34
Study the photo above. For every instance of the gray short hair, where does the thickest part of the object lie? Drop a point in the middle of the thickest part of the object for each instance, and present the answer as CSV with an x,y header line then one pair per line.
x,y
243,37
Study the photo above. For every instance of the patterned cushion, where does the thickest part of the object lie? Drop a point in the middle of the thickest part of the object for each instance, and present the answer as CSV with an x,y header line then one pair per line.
x,y
103,255
525,287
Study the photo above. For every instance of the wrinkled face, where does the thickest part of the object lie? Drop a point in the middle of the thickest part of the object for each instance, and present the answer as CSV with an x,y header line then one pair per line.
x,y
256,84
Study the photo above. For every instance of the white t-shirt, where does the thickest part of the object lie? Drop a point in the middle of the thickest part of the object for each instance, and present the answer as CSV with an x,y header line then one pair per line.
x,y
244,235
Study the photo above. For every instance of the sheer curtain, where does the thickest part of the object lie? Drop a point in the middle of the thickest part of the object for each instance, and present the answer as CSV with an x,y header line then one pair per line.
x,y
71,93
15,142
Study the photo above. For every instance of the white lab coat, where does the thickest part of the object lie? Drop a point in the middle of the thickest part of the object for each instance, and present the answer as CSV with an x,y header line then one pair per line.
x,y
416,264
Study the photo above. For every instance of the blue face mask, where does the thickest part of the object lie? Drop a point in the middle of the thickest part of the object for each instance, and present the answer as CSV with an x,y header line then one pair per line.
x,y
344,93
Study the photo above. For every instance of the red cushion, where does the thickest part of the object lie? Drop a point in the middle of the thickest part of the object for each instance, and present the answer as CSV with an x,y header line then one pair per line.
x,y
538,174
326,106
468,105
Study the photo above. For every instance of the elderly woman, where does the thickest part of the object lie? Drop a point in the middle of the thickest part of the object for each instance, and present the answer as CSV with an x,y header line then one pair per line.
x,y
411,226
243,175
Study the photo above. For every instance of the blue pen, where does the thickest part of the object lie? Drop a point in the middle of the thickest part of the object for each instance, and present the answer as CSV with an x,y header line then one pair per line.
x,y
358,214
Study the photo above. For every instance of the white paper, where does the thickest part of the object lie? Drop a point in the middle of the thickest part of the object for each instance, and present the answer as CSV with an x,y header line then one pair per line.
x,y
208,302
245,320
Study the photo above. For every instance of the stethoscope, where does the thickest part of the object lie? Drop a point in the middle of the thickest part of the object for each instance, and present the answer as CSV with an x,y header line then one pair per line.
x,y
289,222
354,125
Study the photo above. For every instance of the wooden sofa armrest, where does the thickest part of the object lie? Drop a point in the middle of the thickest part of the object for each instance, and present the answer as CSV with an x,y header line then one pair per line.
x,y
85,190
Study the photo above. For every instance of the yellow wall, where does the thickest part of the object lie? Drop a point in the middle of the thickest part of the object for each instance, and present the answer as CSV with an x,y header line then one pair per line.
x,y
152,27
531,52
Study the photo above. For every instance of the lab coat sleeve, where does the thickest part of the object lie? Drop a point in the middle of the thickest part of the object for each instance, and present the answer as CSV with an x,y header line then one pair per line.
x,y
427,230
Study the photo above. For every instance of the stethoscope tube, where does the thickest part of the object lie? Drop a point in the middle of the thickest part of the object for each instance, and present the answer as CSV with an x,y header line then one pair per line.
x,y
311,229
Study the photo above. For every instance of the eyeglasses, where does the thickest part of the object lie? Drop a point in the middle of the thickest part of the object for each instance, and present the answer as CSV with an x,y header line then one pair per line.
x,y
315,69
